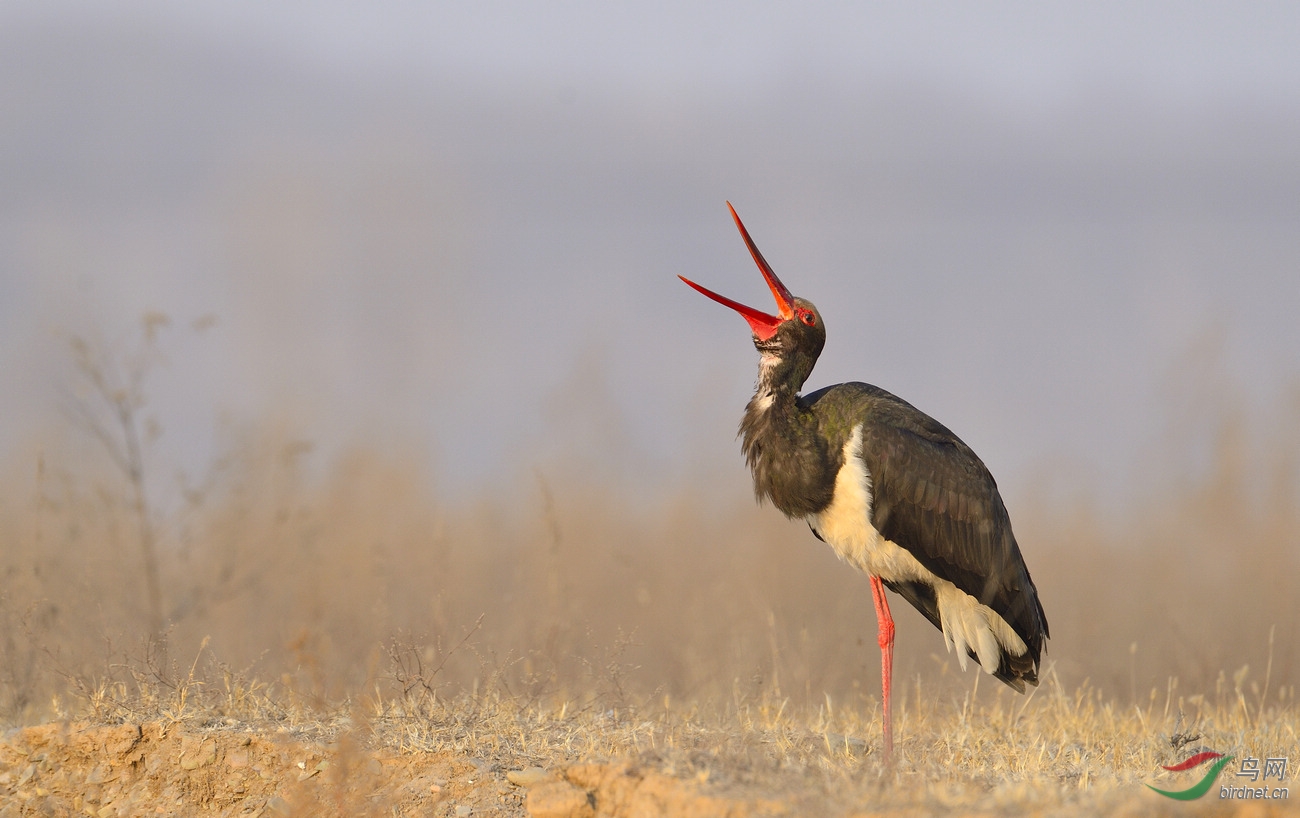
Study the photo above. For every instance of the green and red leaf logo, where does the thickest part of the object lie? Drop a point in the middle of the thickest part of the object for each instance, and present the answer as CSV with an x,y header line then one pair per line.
x,y
1201,787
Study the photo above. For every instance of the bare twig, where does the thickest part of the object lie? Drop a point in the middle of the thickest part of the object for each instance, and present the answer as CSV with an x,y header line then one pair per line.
x,y
124,436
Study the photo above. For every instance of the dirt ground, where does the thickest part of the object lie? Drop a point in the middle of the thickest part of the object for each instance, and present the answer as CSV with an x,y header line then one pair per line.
x,y
149,769
156,769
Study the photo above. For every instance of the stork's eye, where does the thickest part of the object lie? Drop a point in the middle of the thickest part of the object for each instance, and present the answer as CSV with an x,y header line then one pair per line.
x,y
808,318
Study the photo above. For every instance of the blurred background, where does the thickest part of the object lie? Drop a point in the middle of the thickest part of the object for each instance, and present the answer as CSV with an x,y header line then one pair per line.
x,y
326,324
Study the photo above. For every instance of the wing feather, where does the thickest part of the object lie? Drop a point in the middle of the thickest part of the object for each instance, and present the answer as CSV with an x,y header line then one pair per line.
x,y
934,497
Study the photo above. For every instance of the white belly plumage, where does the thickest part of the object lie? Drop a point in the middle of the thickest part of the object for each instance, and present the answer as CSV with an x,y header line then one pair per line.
x,y
846,526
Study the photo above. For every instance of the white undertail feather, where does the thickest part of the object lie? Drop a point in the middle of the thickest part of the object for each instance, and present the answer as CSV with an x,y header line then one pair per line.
x,y
846,526
968,625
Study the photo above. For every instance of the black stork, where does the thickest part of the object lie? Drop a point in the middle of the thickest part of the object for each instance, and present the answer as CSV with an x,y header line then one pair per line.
x,y
893,492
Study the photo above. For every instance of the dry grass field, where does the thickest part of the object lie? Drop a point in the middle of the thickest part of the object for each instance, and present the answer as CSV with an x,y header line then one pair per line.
x,y
232,750
339,640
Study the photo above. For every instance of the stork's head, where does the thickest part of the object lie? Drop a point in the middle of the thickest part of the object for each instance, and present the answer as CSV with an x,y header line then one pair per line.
x,y
796,331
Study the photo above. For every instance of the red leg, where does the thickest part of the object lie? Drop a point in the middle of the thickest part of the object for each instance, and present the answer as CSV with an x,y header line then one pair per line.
x,y
886,623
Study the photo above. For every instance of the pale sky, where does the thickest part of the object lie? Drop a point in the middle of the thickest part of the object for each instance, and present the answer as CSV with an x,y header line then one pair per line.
x,y
455,229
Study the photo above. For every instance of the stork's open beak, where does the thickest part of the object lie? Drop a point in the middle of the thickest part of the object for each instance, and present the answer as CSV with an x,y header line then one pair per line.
x,y
764,325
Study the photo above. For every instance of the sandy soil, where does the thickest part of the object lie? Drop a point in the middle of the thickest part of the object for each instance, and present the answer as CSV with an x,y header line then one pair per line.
x,y
150,769
156,769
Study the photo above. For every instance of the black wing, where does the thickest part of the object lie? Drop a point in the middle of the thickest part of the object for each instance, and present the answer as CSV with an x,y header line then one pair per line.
x,y
933,496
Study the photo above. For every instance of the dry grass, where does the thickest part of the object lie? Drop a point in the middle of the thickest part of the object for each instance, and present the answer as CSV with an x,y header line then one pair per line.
x,y
315,577
557,621
987,751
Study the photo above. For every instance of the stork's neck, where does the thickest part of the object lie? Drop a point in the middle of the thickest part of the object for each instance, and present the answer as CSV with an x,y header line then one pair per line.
x,y
789,458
